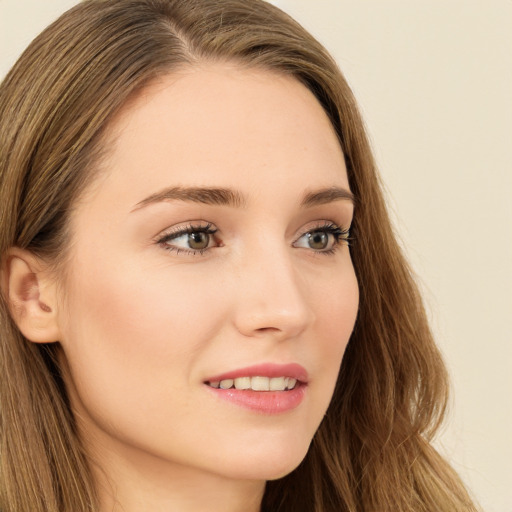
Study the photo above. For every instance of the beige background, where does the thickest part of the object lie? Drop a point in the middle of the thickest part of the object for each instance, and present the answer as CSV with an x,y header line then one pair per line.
x,y
434,80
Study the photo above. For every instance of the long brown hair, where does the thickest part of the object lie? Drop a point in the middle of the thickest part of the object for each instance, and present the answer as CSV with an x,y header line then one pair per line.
x,y
372,451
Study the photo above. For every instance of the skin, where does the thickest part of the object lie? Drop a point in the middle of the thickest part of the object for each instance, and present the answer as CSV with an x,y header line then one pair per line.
x,y
143,325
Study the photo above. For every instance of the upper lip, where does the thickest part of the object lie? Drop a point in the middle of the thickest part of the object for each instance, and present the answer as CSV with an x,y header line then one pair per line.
x,y
293,370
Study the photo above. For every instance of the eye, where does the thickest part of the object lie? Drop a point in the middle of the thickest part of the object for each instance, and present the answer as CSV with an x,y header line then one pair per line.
x,y
199,240
323,239
190,239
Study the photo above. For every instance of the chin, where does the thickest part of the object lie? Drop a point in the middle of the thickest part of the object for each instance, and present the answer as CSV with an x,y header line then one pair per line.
x,y
272,463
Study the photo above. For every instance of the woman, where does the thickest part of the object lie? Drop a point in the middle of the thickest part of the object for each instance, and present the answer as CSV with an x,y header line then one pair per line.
x,y
192,232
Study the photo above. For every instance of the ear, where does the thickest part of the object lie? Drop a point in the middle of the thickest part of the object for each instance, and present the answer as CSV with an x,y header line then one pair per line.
x,y
31,295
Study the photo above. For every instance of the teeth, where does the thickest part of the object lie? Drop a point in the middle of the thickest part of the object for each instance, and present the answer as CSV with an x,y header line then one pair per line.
x,y
256,383
291,383
226,384
278,383
243,383
260,383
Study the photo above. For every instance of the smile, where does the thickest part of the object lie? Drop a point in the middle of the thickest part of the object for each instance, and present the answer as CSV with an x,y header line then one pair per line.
x,y
267,388
256,383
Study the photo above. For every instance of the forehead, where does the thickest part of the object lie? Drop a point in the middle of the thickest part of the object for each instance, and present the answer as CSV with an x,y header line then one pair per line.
x,y
225,126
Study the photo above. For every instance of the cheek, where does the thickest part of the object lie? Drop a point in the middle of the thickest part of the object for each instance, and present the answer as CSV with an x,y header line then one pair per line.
x,y
339,313
134,309
336,309
133,336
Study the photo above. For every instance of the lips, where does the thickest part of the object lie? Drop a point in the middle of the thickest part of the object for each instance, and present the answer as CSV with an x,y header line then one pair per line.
x,y
270,370
265,388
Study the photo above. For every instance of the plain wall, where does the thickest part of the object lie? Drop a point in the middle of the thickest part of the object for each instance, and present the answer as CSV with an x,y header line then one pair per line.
x,y
434,81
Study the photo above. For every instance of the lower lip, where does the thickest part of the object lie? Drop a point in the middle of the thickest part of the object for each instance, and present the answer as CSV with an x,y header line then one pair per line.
x,y
264,402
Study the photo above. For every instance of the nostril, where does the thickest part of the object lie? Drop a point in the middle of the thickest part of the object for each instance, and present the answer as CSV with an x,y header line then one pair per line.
x,y
268,330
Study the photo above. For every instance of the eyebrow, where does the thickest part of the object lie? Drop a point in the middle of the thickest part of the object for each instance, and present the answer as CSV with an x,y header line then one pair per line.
x,y
233,198
326,195
203,195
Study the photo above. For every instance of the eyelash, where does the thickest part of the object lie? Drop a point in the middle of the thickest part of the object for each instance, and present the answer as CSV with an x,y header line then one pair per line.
x,y
341,236
187,230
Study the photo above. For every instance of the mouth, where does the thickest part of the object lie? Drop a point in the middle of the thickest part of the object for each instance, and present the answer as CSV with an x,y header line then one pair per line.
x,y
265,388
257,383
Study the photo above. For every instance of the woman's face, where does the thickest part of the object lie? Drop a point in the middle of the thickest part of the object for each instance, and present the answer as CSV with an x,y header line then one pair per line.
x,y
211,253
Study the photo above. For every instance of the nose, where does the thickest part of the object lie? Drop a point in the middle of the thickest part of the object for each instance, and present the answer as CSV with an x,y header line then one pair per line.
x,y
272,297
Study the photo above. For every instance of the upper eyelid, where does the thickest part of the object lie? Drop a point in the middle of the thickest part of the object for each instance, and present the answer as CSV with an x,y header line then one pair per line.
x,y
324,224
203,225
183,229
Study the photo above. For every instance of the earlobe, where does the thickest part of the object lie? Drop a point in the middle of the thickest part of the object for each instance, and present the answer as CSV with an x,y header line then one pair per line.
x,y
31,296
